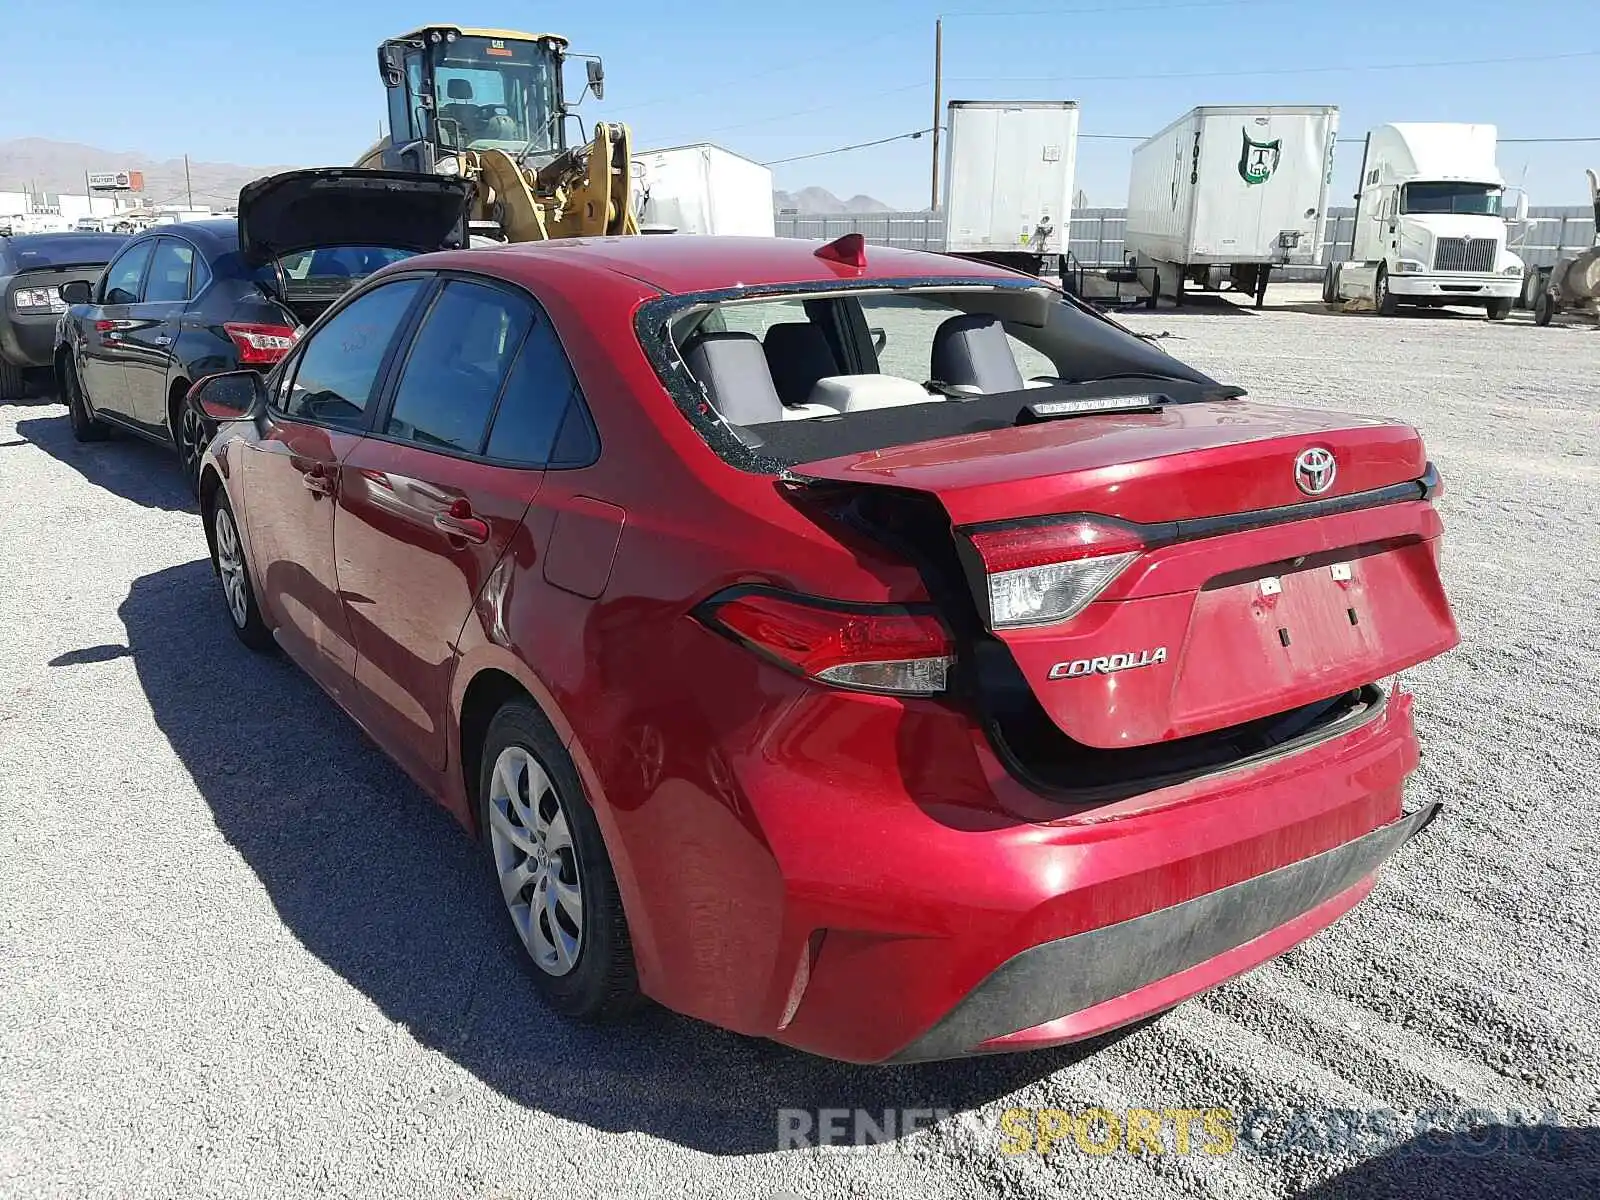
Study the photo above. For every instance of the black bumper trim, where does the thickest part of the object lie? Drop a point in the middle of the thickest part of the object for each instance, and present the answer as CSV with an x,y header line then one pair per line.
x,y
1056,979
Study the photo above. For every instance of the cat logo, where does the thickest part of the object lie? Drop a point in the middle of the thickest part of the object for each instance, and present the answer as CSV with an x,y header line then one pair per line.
x,y
1258,160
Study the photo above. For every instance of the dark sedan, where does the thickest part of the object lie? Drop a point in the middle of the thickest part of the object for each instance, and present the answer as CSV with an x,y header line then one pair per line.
x,y
185,301
32,269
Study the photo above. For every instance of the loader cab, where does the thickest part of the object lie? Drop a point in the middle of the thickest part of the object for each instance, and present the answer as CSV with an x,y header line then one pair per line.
x,y
453,89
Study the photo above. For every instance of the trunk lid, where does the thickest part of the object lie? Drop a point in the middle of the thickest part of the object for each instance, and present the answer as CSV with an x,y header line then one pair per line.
x,y
1183,462
1247,580
345,206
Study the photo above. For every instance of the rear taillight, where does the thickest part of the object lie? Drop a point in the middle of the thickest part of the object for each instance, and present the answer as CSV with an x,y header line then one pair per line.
x,y
260,344
869,648
1048,571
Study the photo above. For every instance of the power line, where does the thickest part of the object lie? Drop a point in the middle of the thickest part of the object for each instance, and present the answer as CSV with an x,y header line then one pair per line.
x,y
900,35
1551,141
1113,8
802,63
1171,75
1119,137
899,137
1233,73
805,112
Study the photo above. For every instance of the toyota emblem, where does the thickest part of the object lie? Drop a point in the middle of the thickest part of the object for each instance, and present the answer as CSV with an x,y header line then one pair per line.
x,y
1314,470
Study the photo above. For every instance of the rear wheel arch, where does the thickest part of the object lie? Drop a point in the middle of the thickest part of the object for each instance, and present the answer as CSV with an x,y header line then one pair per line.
x,y
493,684
490,690
210,485
175,395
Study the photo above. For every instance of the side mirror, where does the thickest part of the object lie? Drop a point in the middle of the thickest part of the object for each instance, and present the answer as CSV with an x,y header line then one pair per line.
x,y
880,337
1522,208
389,66
597,78
230,396
78,291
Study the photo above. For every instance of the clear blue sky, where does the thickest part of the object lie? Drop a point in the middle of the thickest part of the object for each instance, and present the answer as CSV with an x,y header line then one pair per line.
x,y
295,81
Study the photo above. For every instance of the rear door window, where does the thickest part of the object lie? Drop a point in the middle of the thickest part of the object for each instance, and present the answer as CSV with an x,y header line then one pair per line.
x,y
457,365
338,367
171,270
542,420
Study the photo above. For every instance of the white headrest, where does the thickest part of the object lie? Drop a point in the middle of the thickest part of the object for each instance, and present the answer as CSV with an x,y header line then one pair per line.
x,y
855,393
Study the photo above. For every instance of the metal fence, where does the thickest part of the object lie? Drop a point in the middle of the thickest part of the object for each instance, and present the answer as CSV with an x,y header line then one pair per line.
x,y
1097,232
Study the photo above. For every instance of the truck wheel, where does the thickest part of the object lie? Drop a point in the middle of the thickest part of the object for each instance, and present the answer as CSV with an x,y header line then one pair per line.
x,y
1499,310
11,381
1330,285
1544,307
1382,298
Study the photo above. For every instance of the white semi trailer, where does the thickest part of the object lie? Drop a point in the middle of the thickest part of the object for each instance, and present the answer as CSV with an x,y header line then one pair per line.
x,y
1008,176
1430,225
1232,189
703,189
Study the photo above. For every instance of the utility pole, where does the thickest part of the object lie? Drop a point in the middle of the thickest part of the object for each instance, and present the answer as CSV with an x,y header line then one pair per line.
x,y
188,186
938,104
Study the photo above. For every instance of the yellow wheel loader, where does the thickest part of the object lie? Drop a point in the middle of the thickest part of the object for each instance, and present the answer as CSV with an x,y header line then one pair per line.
x,y
490,105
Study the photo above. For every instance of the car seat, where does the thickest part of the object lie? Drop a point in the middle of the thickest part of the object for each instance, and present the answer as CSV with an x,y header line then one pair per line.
x,y
733,370
798,355
463,115
972,353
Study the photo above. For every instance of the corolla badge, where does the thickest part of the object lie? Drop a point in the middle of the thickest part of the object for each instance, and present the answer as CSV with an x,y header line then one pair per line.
x,y
1108,664
1314,470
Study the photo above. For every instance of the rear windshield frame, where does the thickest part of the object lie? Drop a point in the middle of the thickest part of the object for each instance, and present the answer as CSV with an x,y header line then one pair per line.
x,y
50,251
653,328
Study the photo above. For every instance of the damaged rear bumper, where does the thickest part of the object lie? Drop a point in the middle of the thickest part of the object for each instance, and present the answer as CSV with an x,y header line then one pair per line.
x,y
1029,999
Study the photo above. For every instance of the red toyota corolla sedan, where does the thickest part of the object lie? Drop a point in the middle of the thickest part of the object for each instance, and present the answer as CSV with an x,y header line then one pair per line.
x,y
859,648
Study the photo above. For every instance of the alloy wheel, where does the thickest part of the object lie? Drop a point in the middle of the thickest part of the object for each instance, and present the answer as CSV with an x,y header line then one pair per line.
x,y
192,440
230,566
536,861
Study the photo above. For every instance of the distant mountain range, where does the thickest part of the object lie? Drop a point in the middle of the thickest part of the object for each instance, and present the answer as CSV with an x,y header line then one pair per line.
x,y
54,167
41,165
815,201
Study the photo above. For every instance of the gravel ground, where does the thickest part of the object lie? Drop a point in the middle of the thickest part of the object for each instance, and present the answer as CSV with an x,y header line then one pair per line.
x,y
240,955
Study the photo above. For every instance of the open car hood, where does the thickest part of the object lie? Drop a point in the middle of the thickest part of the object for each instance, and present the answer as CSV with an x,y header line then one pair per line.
x,y
345,206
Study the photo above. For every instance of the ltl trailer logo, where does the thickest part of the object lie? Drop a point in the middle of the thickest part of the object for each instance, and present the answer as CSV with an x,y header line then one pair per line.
x,y
1258,160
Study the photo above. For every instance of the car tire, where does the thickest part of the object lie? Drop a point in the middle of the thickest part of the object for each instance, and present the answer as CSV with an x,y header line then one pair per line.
x,y
549,863
191,434
1382,298
12,381
1330,284
1544,308
233,573
86,427
1499,310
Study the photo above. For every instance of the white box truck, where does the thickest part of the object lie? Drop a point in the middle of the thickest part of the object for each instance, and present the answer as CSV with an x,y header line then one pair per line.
x,y
1430,228
1008,175
1236,187
703,189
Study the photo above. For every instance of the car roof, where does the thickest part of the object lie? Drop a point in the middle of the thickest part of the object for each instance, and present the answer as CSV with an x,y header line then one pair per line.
x,y
221,232
67,237
30,251
679,263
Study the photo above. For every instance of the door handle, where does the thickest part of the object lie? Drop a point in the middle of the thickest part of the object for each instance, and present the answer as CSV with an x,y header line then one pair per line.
x,y
317,480
459,522
163,340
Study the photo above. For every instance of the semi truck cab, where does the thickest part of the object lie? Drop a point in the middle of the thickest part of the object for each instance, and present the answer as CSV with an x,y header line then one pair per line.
x,y
1431,225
